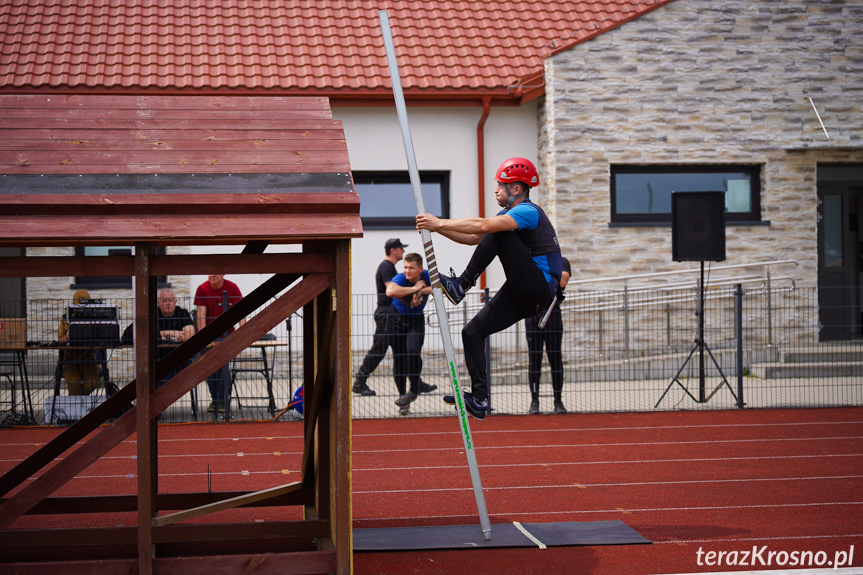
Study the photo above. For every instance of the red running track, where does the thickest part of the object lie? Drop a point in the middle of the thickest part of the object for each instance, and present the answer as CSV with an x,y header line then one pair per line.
x,y
786,482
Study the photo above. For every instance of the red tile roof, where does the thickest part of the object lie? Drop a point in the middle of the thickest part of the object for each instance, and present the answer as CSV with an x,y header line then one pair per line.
x,y
446,49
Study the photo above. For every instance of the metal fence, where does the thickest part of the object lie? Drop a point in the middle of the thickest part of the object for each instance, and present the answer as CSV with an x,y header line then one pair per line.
x,y
38,373
628,349
638,350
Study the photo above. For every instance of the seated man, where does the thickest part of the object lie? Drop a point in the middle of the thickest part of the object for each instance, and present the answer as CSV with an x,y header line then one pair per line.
x,y
174,323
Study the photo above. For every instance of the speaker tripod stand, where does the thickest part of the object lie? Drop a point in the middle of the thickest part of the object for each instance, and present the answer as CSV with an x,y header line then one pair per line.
x,y
700,346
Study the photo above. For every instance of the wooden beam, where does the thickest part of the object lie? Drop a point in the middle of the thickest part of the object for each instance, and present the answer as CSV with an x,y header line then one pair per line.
x,y
340,433
174,229
207,532
311,408
238,501
166,265
145,377
296,563
164,501
37,203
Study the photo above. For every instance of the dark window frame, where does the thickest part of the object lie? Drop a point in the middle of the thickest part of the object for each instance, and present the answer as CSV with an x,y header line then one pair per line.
x,y
440,177
742,218
112,282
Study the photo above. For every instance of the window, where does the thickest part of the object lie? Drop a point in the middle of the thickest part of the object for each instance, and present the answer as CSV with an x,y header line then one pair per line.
x,y
108,282
642,194
387,199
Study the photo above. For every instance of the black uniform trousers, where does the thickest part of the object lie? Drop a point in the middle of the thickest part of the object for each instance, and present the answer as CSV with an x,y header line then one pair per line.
x,y
407,335
552,338
524,293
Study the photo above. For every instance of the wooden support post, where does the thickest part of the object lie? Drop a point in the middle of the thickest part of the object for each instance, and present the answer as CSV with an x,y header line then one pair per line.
x,y
145,372
340,448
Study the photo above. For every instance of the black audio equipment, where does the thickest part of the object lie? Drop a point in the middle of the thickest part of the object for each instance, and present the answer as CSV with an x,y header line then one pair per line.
x,y
698,226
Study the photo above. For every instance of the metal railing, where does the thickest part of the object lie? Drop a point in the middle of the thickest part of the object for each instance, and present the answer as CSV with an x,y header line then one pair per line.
x,y
622,345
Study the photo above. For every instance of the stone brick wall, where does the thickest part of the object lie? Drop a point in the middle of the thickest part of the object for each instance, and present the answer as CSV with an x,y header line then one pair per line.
x,y
703,81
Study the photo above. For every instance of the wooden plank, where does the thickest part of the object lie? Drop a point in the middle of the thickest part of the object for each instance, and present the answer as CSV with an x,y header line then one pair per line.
x,y
162,102
208,115
49,230
213,532
171,140
164,501
155,166
311,408
287,202
340,435
110,160
132,126
145,377
211,135
238,501
77,266
296,563
179,141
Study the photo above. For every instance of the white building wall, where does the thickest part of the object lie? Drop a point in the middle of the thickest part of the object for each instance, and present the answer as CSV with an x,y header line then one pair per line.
x,y
443,139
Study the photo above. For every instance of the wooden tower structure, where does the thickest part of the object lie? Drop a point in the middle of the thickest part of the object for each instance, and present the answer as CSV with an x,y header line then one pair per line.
x,y
151,171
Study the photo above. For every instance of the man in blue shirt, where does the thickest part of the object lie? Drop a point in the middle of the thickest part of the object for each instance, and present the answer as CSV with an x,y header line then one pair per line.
x,y
409,291
523,239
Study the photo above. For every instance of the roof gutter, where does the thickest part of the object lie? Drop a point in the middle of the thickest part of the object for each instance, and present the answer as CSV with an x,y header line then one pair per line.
x,y
480,159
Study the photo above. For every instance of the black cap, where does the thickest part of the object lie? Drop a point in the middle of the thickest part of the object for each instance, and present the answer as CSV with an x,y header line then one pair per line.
x,y
394,243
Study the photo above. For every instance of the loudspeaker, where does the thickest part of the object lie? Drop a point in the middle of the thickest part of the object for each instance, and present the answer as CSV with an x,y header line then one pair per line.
x,y
698,226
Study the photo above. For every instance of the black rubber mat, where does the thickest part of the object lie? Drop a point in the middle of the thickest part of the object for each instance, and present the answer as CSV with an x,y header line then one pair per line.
x,y
502,535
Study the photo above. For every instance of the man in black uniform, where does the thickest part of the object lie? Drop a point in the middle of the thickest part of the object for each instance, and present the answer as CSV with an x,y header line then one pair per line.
x,y
523,239
394,250
552,337
174,323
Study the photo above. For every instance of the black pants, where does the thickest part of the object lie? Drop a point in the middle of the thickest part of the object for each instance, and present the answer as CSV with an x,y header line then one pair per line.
x,y
552,338
380,343
524,293
408,335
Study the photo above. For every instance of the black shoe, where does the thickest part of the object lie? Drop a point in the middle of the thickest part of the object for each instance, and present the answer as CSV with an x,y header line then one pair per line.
x,y
363,389
558,406
534,407
477,409
426,388
451,287
406,399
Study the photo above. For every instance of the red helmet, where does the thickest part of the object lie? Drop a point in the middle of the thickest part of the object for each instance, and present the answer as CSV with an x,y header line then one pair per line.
x,y
518,170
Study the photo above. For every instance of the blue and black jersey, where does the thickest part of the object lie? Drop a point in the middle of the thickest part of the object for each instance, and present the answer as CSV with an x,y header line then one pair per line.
x,y
537,234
